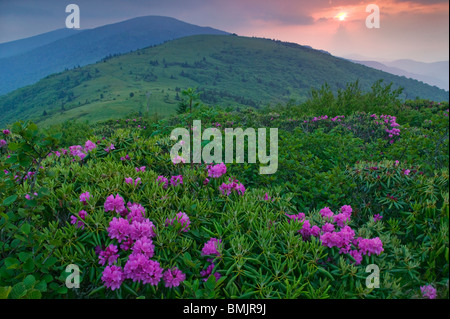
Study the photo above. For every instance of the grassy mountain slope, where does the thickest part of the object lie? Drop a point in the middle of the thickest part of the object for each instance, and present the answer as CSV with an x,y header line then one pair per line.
x,y
90,46
229,71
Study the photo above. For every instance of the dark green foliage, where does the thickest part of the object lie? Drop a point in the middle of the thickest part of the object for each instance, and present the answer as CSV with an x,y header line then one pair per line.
x,y
321,163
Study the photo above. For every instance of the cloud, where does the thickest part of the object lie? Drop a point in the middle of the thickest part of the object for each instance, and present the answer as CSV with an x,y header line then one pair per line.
x,y
409,28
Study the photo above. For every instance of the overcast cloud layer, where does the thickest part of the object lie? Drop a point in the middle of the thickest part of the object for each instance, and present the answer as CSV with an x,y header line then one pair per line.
x,y
414,29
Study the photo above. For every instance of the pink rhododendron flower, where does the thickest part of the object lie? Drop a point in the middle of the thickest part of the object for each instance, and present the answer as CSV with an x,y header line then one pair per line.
x,y
341,239
299,217
315,231
144,246
114,203
110,148
341,219
176,180
328,228
206,273
140,268
113,277
326,212
6,132
173,277
406,172
178,159
79,223
226,189
85,197
77,151
142,229
89,146
357,255
162,180
428,291
211,246
109,255
119,228
370,246
216,171
126,158
137,212
377,217
125,245
306,230
347,210
129,180
182,219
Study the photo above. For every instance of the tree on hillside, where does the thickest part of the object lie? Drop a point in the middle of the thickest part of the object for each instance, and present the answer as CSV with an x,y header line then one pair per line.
x,y
192,98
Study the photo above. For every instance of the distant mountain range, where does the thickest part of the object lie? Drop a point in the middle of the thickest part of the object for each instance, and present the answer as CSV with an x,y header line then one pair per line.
x,y
26,61
17,47
228,70
434,73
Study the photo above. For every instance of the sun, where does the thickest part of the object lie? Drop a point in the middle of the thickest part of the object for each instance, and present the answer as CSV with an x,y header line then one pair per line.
x,y
341,16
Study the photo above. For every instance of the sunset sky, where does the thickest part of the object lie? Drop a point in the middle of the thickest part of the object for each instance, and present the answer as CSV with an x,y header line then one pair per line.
x,y
415,29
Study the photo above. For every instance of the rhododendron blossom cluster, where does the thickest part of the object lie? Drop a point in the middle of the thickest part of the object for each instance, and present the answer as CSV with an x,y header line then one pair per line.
x,y
233,186
336,233
85,197
216,171
211,247
78,222
130,181
182,219
116,204
428,291
135,233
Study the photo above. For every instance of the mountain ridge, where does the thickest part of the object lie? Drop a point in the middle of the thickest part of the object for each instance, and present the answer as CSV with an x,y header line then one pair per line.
x,y
91,45
229,71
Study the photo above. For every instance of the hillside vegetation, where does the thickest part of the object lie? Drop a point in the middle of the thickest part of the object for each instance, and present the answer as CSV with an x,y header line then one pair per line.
x,y
227,70
362,180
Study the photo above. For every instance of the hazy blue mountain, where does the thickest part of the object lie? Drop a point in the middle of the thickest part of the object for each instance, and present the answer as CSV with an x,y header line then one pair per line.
x,y
436,70
90,46
434,73
17,47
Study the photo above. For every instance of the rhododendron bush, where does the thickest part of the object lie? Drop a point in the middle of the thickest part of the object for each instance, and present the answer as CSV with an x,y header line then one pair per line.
x,y
351,190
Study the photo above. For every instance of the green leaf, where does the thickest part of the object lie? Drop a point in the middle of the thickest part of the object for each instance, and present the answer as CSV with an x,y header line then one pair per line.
x,y
24,256
18,291
13,146
211,282
9,200
97,290
29,281
44,191
50,261
11,263
33,294
62,290
41,286
29,266
4,292
25,229
128,288
32,127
